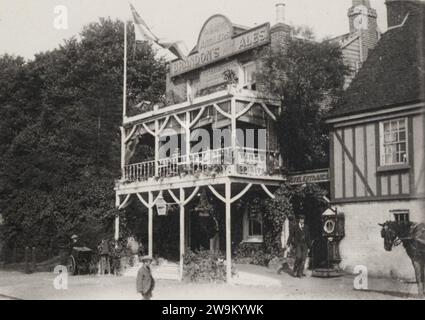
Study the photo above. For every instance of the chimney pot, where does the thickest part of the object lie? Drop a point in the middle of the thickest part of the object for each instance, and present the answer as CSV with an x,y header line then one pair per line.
x,y
280,12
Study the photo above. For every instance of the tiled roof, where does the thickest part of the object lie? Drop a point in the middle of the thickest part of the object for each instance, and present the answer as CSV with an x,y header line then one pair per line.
x,y
394,73
344,39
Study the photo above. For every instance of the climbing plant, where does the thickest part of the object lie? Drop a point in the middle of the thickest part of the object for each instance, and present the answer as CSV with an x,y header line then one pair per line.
x,y
276,211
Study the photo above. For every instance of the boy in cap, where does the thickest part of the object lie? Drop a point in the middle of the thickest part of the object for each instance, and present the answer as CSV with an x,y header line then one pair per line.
x,y
145,282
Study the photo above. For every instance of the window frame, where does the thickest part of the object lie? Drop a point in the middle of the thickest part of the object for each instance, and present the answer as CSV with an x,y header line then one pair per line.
x,y
245,84
251,227
397,214
382,145
247,237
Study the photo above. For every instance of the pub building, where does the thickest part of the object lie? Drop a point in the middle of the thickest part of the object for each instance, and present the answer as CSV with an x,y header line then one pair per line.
x,y
215,88
378,144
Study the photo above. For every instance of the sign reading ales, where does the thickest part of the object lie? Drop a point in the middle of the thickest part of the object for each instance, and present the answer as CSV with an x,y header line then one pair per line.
x,y
216,41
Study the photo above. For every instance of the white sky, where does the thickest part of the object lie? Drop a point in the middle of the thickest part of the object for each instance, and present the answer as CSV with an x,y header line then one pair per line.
x,y
26,26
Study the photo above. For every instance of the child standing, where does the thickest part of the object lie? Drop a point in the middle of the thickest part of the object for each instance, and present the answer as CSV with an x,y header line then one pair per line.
x,y
145,282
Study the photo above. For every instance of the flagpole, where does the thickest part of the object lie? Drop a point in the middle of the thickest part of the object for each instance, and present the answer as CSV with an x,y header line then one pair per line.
x,y
124,96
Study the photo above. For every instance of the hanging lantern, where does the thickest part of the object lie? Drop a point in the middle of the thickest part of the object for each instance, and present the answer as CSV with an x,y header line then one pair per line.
x,y
161,206
204,207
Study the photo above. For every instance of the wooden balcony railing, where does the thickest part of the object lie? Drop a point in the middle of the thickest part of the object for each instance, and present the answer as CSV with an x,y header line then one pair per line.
x,y
244,161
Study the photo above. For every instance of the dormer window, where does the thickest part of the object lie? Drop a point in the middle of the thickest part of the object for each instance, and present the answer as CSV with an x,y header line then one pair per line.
x,y
249,81
393,141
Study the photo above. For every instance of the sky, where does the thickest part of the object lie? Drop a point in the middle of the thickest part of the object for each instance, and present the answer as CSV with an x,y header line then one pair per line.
x,y
28,26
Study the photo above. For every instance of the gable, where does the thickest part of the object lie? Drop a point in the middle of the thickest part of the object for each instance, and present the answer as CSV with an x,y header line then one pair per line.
x,y
394,72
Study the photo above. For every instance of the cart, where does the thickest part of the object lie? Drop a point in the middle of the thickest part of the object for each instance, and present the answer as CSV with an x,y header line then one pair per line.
x,y
79,261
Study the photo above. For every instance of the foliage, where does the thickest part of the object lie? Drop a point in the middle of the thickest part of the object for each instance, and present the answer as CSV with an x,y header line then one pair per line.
x,y
230,76
308,77
253,254
276,211
59,134
204,266
289,202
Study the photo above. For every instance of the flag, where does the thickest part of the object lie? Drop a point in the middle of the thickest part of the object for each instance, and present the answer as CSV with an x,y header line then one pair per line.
x,y
144,33
141,29
178,48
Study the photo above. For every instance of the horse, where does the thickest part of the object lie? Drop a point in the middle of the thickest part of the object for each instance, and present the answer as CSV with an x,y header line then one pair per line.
x,y
412,236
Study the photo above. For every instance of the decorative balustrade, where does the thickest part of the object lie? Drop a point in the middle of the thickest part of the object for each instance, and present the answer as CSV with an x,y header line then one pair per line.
x,y
139,171
244,161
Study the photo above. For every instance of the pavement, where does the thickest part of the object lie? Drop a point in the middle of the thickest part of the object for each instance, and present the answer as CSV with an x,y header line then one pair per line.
x,y
251,283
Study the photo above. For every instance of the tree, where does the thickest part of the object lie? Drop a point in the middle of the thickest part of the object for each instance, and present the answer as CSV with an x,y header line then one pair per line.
x,y
308,77
59,133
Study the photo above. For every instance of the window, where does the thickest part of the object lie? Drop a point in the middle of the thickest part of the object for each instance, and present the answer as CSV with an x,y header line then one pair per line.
x,y
255,226
401,215
252,227
249,70
393,137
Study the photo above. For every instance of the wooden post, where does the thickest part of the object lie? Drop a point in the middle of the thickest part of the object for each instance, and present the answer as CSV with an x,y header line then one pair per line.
x,y
27,262
182,233
187,129
233,132
33,260
124,94
150,224
122,150
117,228
228,233
156,148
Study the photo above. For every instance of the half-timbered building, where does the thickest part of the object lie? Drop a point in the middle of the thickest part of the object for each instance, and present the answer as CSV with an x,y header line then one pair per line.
x,y
378,143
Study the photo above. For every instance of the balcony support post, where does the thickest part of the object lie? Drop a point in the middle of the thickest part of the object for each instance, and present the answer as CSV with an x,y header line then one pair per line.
x,y
122,151
156,148
233,131
187,130
228,203
150,223
182,233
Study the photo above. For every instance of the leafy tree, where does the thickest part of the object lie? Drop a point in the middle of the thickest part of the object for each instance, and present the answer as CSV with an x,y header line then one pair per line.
x,y
59,133
308,77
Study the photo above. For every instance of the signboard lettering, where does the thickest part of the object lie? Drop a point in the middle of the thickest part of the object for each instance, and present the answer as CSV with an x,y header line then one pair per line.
x,y
316,177
216,42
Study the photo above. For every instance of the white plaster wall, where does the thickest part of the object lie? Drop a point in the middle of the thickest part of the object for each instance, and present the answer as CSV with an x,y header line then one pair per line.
x,y
363,244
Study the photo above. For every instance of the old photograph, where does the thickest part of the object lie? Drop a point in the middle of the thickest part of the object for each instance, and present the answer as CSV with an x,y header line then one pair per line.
x,y
182,150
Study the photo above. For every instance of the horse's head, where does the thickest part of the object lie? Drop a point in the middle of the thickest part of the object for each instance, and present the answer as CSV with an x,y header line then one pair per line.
x,y
389,234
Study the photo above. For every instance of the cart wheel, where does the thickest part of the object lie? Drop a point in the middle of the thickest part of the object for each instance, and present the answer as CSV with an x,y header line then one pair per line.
x,y
71,265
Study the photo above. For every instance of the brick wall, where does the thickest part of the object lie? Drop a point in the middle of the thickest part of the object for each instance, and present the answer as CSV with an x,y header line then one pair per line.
x,y
280,33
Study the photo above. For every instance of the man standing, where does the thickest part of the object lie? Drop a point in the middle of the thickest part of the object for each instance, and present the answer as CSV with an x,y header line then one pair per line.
x,y
145,282
105,264
300,240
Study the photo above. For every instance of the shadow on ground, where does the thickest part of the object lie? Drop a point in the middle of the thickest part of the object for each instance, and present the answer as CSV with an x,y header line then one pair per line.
x,y
402,295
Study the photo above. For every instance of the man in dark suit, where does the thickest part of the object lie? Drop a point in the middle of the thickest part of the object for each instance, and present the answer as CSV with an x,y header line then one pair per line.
x,y
145,282
300,242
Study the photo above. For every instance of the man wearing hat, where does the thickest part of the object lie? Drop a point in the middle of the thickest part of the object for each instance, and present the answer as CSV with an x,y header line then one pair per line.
x,y
145,282
301,242
75,241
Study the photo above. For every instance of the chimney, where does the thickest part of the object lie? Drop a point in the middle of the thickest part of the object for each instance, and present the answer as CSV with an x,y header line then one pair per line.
x,y
365,3
397,10
280,32
280,12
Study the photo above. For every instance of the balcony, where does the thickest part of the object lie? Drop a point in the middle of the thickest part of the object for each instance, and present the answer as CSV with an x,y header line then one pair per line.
x,y
226,161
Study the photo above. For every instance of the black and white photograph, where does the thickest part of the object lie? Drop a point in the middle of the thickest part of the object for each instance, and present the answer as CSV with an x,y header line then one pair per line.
x,y
198,150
